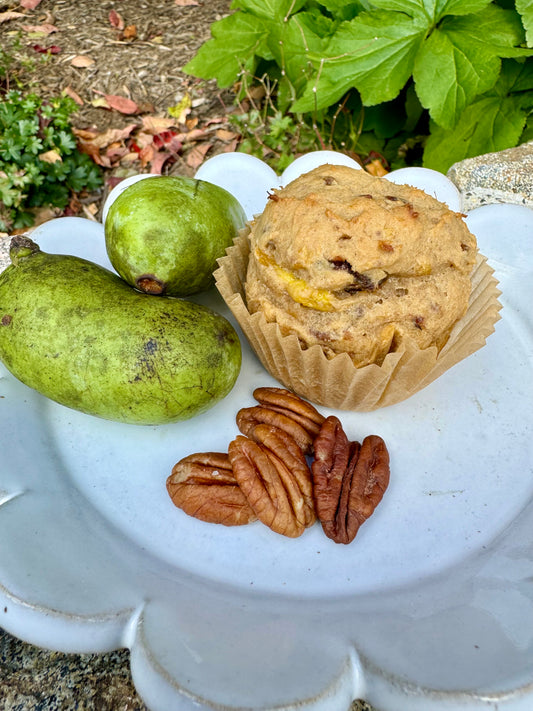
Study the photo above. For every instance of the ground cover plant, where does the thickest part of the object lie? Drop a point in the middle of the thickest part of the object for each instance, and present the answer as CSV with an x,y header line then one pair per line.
x,y
40,163
426,82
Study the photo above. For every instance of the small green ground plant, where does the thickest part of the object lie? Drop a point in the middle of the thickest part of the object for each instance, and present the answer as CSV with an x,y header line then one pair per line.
x,y
418,81
40,164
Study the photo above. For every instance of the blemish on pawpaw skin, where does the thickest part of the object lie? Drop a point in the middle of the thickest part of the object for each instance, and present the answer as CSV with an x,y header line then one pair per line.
x,y
150,284
150,346
223,336
6,320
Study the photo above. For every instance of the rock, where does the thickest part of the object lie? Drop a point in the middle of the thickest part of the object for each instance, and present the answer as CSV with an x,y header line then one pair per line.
x,y
502,177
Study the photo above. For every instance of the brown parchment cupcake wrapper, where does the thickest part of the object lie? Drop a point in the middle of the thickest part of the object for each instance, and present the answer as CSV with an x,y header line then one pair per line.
x,y
336,382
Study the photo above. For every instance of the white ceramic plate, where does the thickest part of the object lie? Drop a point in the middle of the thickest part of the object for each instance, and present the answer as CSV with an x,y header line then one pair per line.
x,y
430,608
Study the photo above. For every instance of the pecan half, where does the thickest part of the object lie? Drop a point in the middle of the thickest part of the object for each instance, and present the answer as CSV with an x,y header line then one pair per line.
x,y
290,454
287,411
203,486
293,406
249,417
349,480
269,486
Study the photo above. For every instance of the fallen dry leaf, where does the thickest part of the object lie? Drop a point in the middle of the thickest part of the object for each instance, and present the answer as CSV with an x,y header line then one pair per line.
x,y
51,157
184,3
90,211
224,135
100,103
376,167
116,20
44,29
231,146
156,124
146,155
119,103
129,158
81,61
105,138
159,160
130,32
84,133
69,91
182,109
10,15
196,156
29,4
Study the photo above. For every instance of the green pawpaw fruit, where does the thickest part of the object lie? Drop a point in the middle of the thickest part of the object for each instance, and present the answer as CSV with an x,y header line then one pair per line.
x,y
164,234
78,334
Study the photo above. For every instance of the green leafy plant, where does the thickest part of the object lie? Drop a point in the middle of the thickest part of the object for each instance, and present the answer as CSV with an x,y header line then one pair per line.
x,y
443,79
39,160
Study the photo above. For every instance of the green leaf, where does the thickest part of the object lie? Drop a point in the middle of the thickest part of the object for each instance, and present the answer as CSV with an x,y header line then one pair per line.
x,y
385,120
516,76
432,10
494,28
66,142
490,124
527,134
374,53
459,7
276,10
461,59
448,77
236,42
343,9
525,9
291,44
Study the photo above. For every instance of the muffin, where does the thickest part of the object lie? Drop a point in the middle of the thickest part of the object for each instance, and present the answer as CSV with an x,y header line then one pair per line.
x,y
354,291
359,265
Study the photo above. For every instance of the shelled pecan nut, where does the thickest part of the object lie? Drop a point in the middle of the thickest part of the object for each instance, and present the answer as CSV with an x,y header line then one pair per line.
x,y
291,405
269,486
250,417
204,487
290,454
349,480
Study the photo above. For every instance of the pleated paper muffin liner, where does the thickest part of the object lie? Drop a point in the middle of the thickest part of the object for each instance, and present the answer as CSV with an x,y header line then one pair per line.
x,y
336,382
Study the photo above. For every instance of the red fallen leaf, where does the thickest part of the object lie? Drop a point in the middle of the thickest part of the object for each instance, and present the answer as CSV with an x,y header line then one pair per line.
x,y
119,103
29,4
53,49
164,137
116,20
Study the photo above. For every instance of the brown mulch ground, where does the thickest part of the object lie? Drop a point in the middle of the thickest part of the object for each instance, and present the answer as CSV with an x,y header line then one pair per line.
x,y
121,61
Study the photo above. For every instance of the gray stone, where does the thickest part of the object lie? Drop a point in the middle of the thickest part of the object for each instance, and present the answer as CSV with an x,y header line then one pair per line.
x,y
502,177
4,252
